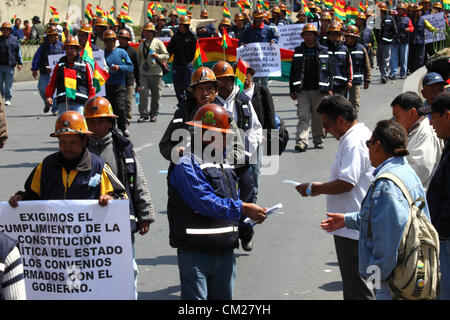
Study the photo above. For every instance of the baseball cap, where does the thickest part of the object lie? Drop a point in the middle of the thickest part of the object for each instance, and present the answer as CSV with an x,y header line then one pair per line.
x,y
433,78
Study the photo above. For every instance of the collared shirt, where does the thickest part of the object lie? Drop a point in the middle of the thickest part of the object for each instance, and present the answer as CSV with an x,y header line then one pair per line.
x,y
377,169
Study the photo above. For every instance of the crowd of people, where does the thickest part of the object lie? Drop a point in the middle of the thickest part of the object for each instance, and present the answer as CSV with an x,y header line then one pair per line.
x,y
209,199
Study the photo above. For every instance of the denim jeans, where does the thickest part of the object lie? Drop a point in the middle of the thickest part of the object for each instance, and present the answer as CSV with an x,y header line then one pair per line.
x,y
444,257
399,58
6,82
70,106
44,79
181,76
206,275
383,57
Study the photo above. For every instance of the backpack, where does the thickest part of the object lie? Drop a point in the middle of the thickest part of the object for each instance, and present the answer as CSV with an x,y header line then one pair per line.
x,y
416,275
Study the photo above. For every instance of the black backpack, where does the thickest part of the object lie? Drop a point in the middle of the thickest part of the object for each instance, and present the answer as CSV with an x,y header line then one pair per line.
x,y
283,136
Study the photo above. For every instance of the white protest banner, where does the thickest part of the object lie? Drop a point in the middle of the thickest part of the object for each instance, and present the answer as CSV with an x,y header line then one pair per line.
x,y
98,55
290,35
73,249
264,57
436,20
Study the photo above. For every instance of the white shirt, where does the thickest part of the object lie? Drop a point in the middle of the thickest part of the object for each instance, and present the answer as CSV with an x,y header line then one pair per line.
x,y
352,165
254,135
425,150
249,91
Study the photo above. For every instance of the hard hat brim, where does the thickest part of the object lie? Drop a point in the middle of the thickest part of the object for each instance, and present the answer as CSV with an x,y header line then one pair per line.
x,y
198,124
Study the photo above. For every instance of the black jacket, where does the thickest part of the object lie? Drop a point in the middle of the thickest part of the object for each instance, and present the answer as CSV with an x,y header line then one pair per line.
x,y
263,104
182,46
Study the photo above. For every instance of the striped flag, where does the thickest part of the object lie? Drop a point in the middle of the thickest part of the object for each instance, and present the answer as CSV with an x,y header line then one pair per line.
x,y
446,4
351,13
125,18
100,75
112,10
54,13
225,43
199,56
88,12
124,6
362,7
328,3
159,6
100,12
225,11
13,18
70,82
308,13
340,13
111,20
149,12
181,10
241,74
266,5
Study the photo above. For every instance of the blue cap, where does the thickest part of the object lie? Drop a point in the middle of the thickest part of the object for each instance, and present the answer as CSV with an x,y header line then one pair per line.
x,y
432,78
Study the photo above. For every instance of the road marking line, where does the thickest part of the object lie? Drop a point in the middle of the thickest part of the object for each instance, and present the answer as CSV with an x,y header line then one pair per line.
x,y
148,145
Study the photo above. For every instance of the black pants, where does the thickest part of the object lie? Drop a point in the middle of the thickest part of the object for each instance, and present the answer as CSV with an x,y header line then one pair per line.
x,y
340,90
416,56
246,194
117,96
354,287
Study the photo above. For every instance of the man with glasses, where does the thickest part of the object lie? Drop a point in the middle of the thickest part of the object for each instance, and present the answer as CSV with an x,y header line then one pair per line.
x,y
351,175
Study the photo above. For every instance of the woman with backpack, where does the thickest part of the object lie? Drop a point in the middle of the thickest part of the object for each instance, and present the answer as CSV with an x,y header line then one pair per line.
x,y
385,211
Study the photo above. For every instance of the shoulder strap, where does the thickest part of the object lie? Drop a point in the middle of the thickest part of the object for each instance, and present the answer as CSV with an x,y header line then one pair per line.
x,y
399,184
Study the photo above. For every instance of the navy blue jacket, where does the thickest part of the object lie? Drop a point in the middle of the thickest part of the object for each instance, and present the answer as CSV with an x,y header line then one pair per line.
x,y
15,56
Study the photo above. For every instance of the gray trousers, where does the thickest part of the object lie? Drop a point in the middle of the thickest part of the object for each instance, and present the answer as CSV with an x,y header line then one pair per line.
x,y
154,85
308,101
129,104
383,57
354,286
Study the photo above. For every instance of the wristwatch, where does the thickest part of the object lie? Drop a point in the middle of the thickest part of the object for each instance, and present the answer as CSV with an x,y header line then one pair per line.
x,y
309,189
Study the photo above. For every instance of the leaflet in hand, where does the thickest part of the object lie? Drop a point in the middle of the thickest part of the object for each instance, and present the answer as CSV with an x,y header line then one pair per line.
x,y
269,211
295,183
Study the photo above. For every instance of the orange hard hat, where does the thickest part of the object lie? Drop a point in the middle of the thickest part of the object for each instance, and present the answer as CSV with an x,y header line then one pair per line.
x,y
258,14
362,15
352,31
98,107
212,117
276,9
124,33
149,26
335,27
283,7
70,122
101,23
6,25
309,27
71,41
109,34
382,6
184,20
85,27
203,74
51,30
239,17
204,13
226,22
222,69
326,16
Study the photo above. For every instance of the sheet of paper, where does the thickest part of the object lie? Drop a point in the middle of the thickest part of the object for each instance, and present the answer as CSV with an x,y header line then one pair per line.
x,y
295,183
269,211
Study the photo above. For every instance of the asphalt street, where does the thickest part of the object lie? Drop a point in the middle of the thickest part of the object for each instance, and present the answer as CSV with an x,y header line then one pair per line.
x,y
292,259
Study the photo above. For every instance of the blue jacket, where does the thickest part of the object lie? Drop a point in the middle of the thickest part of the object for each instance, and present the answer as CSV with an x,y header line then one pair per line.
x,y
15,55
251,34
17,32
388,211
40,59
118,57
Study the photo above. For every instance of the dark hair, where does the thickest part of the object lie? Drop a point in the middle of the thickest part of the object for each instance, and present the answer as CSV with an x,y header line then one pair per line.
x,y
439,65
335,106
392,136
441,103
407,101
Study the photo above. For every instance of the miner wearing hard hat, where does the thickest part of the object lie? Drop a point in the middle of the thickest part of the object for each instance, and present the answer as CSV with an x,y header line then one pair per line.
x,y
203,209
72,172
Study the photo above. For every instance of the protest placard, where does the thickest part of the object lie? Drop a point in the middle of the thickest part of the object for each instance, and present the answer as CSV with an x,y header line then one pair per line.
x,y
264,57
436,20
98,55
73,249
290,35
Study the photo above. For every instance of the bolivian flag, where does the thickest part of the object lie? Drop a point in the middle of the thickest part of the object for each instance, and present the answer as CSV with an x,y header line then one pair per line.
x,y
226,41
199,56
13,18
111,20
225,11
241,73
339,13
100,12
362,8
328,3
88,12
181,10
54,13
446,4
124,6
266,5
70,82
100,77
112,10
125,18
308,13
351,13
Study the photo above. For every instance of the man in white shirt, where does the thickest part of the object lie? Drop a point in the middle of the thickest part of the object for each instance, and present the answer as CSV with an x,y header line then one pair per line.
x,y
351,176
425,148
